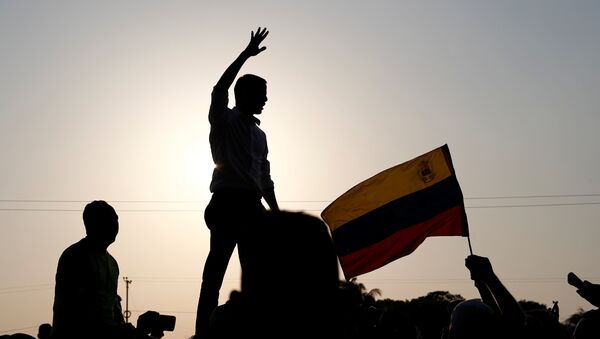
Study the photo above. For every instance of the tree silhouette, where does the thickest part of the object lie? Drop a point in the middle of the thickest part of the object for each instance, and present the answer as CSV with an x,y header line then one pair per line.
x,y
368,297
528,305
429,313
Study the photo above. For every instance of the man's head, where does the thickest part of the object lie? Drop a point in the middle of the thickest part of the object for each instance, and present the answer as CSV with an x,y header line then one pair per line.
x,y
290,255
250,93
471,319
588,326
44,331
284,246
101,222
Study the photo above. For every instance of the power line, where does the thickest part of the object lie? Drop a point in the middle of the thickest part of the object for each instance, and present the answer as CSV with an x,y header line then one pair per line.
x,y
308,210
537,196
18,329
86,201
25,288
79,210
166,312
552,196
159,279
536,205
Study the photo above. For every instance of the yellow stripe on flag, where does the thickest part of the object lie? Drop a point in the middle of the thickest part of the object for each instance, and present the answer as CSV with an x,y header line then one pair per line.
x,y
387,186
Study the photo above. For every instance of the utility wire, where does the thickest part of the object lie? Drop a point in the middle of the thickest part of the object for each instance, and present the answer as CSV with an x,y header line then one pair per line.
x,y
114,201
536,205
79,210
292,201
158,279
18,329
308,210
537,196
200,210
25,288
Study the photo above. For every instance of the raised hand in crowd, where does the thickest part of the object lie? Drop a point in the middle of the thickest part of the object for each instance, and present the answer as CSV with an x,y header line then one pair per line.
x,y
493,292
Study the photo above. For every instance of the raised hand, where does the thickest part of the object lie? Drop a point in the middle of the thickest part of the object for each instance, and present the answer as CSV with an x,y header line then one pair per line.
x,y
590,292
253,47
251,50
480,267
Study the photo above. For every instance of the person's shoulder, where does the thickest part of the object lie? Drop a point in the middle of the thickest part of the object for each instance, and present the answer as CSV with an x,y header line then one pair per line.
x,y
75,254
218,111
219,90
220,96
74,249
20,336
111,258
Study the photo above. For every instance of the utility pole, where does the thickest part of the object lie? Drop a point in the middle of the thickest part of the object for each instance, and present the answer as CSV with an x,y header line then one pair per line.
x,y
127,313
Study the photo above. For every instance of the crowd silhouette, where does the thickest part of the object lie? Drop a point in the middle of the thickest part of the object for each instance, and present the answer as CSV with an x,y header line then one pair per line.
x,y
290,285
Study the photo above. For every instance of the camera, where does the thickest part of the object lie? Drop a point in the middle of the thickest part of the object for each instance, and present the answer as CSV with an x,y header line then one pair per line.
x,y
166,322
154,323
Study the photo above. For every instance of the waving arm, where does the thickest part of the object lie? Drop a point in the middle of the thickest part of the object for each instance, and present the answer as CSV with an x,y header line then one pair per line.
x,y
253,49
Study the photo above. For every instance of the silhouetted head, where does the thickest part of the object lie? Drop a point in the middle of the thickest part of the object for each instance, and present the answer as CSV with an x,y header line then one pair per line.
x,y
289,272
293,247
588,326
44,331
472,319
101,222
250,94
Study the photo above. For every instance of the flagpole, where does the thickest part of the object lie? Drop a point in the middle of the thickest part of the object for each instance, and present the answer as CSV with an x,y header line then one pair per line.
x,y
469,240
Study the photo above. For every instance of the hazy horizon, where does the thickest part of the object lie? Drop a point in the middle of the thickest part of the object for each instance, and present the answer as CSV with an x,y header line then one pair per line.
x,y
109,100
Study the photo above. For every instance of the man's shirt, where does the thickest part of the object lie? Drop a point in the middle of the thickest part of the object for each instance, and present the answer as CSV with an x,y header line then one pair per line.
x,y
86,291
238,147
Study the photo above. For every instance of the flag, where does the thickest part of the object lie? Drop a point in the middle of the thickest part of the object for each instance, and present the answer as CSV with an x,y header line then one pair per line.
x,y
390,214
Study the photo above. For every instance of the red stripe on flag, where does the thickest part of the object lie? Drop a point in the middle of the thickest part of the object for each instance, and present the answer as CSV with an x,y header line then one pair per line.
x,y
402,243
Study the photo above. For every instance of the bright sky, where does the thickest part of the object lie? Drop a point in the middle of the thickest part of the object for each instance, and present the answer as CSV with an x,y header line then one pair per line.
x,y
108,100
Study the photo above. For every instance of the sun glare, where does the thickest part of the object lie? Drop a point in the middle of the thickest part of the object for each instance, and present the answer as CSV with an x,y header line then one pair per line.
x,y
198,165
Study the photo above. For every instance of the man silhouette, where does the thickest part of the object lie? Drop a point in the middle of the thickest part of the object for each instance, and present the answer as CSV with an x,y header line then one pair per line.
x,y
241,177
86,304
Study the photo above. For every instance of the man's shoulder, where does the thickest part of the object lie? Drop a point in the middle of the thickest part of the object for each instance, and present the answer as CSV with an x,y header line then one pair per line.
x,y
216,90
112,259
226,117
218,111
78,252
219,97
72,258
75,249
